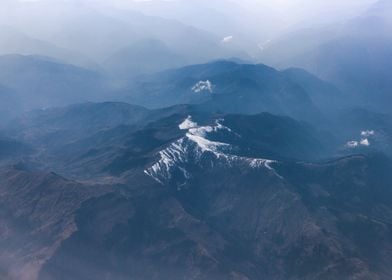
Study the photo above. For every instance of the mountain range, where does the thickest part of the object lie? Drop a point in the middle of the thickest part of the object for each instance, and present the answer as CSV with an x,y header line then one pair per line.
x,y
222,85
39,82
351,55
134,146
181,192
122,35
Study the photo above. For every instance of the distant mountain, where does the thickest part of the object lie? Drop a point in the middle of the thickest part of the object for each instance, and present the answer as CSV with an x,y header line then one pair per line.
x,y
223,85
196,45
74,122
355,55
72,24
15,42
9,104
239,23
325,95
43,82
143,57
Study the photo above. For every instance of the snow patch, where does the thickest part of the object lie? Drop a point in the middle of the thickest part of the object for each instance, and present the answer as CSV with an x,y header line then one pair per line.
x,y
198,135
203,86
352,144
227,39
206,145
187,124
367,133
364,140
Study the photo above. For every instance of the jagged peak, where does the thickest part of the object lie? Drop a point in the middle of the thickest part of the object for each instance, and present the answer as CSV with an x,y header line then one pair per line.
x,y
194,147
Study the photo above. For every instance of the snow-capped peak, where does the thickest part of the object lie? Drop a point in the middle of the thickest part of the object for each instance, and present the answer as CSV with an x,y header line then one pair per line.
x,y
195,148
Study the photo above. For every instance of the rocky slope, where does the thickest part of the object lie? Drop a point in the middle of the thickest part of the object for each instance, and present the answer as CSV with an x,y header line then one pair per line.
x,y
189,195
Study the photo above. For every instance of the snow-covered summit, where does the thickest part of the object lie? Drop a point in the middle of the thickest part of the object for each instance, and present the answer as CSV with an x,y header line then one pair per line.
x,y
195,148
